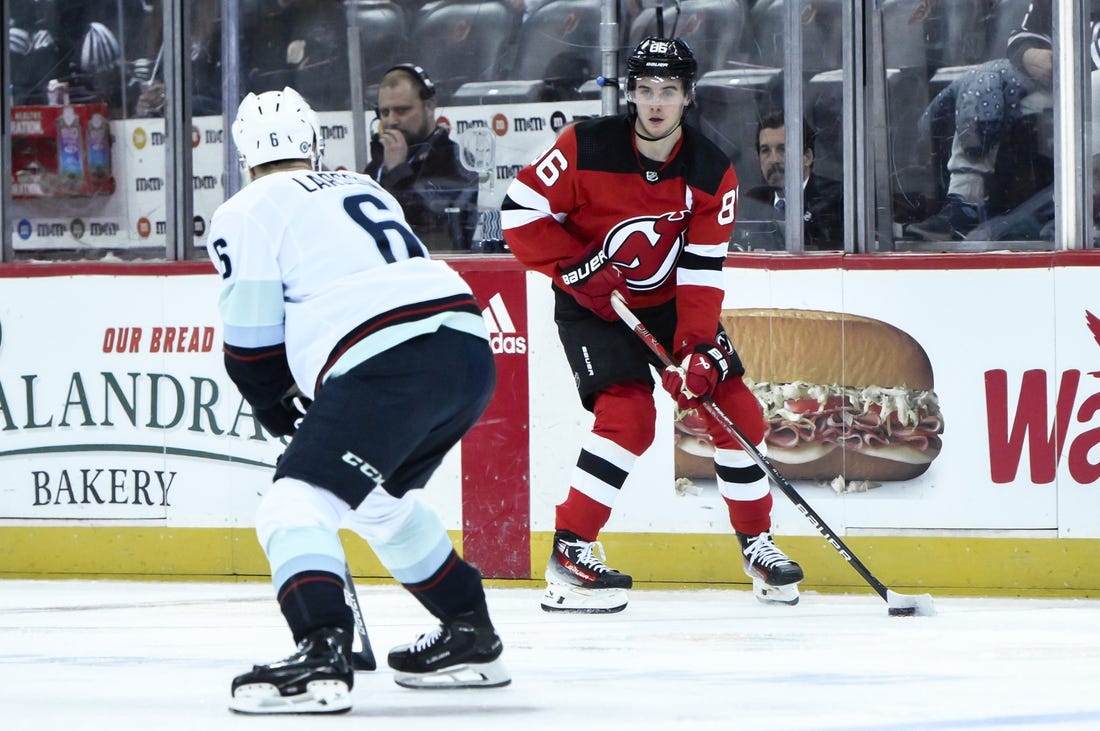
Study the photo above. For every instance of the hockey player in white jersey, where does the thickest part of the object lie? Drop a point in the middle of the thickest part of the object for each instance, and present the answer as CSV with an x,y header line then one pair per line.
x,y
330,303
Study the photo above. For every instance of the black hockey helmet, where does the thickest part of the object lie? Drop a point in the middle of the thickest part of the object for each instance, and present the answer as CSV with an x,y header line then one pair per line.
x,y
662,57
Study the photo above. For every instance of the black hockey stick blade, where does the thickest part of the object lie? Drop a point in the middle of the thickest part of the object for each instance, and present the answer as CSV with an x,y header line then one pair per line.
x,y
899,605
363,659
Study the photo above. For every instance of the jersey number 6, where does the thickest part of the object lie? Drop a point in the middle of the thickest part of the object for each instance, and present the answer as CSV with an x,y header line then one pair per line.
x,y
551,167
377,229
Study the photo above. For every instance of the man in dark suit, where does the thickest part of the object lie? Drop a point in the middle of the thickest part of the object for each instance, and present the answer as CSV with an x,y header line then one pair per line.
x,y
763,208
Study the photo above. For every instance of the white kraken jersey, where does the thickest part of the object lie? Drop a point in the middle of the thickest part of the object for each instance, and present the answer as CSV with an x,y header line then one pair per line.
x,y
325,263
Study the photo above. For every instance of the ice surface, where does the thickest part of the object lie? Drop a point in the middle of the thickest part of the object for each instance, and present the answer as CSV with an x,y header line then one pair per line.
x,y
134,655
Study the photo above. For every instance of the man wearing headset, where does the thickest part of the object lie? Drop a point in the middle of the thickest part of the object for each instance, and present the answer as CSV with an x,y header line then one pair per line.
x,y
415,160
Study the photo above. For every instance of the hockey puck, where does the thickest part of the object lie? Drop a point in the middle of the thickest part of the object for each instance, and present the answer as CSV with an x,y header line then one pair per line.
x,y
902,611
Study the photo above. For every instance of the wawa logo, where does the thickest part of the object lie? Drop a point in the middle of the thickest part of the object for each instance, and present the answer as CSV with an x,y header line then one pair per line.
x,y
502,331
1045,435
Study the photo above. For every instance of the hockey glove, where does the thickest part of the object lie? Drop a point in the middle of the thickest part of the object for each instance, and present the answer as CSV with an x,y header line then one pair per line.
x,y
698,374
591,279
283,417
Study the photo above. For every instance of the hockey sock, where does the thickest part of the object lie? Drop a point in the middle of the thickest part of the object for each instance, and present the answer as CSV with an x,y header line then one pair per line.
x,y
581,515
739,477
744,487
313,599
454,588
625,416
750,517
742,407
307,569
601,470
296,525
420,555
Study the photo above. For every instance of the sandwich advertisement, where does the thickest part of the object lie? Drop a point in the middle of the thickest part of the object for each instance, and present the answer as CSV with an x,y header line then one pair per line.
x,y
848,399
959,398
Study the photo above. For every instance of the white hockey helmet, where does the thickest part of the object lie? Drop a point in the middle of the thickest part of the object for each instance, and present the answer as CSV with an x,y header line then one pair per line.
x,y
277,125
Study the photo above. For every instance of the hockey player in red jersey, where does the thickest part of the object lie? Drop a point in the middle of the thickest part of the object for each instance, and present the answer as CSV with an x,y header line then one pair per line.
x,y
643,205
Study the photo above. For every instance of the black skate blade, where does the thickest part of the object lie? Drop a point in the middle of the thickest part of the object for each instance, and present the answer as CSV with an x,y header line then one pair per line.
x,y
582,610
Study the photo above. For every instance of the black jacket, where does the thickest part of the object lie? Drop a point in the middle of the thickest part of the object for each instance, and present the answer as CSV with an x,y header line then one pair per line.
x,y
824,216
431,180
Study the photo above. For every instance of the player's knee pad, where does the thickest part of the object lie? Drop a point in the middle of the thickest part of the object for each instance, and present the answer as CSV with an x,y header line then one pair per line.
x,y
415,548
297,525
380,516
742,407
625,414
292,503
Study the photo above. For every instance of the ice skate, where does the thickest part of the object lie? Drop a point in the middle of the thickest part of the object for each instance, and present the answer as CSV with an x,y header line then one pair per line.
x,y
316,679
774,576
464,653
578,580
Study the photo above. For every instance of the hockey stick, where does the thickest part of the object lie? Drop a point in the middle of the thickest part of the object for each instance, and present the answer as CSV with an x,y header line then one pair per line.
x,y
364,659
899,605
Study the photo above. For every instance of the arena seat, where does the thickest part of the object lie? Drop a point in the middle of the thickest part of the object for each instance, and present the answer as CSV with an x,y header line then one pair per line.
x,y
821,35
967,33
507,91
713,28
382,36
957,32
459,41
1007,17
560,44
729,104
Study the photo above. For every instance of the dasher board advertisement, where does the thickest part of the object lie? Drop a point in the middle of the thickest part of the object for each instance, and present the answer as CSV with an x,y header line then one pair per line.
x,y
1002,426
116,413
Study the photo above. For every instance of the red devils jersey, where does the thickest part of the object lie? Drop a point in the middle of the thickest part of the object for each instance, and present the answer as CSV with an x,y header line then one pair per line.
x,y
666,226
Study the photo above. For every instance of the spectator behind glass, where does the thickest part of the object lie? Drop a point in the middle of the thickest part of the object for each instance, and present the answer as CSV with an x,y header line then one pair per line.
x,y
147,71
298,43
36,55
77,42
415,159
823,198
988,105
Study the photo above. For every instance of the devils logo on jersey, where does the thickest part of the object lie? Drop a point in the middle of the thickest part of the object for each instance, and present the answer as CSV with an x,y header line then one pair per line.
x,y
646,248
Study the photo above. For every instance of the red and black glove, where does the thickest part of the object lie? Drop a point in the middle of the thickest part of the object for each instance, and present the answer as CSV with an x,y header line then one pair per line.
x,y
591,279
698,374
